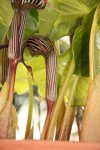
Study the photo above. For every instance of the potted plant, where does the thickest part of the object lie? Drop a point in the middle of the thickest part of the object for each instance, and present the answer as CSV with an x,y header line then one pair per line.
x,y
31,33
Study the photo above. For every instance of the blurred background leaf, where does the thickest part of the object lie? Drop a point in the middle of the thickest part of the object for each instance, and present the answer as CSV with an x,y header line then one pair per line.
x,y
6,12
80,45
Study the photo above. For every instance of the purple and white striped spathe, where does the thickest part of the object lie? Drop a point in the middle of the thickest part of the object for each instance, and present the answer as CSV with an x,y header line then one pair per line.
x,y
39,4
39,45
17,31
51,75
18,24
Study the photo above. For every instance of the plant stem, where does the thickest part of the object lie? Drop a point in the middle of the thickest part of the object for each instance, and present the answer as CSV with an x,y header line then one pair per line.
x,y
7,110
50,105
69,114
13,66
91,45
30,109
60,119
15,53
57,106
51,86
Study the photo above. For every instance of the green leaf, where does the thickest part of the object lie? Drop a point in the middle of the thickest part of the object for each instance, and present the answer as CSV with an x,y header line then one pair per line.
x,y
6,12
69,18
77,8
64,26
32,25
80,45
39,75
22,74
54,20
3,31
91,3
63,61
95,43
81,91
47,17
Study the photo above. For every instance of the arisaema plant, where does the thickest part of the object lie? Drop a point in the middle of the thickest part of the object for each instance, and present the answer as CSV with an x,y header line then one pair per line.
x,y
30,33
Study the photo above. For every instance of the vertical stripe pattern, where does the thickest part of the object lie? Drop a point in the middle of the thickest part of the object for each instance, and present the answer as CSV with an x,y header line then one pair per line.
x,y
39,45
18,24
17,31
51,75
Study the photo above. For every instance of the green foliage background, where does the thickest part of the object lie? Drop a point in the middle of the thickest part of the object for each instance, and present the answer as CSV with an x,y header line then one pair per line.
x,y
60,18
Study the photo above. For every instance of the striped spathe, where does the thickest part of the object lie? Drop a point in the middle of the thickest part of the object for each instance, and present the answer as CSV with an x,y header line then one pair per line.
x,y
39,4
40,45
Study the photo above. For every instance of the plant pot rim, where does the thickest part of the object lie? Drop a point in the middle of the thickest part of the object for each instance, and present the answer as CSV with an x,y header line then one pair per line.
x,y
46,145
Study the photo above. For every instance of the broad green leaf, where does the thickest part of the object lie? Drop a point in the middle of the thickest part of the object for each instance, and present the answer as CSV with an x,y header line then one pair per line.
x,y
63,61
80,45
22,74
48,16
63,64
21,86
95,43
6,14
2,21
91,3
39,73
6,11
64,26
32,25
81,91
76,7
3,31
27,55
38,67
69,18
